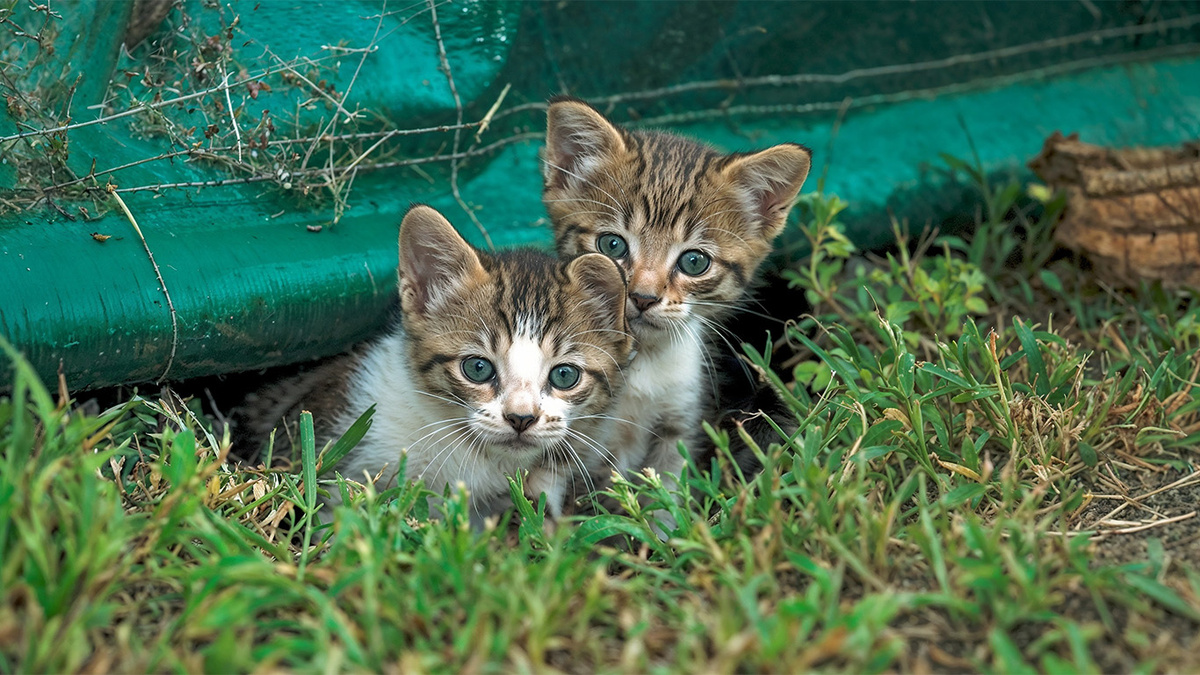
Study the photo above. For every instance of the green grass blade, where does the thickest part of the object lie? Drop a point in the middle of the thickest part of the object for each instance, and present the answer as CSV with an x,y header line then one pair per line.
x,y
342,447
1037,367
308,459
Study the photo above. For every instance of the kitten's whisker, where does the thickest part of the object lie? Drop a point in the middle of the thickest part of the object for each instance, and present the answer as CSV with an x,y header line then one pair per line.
x,y
602,452
446,432
460,403
457,331
674,332
719,213
586,182
450,430
475,451
446,423
583,472
602,330
691,331
442,421
578,461
450,451
719,331
591,442
611,208
604,351
584,213
734,307
717,198
704,223
608,174
618,419
712,324
570,344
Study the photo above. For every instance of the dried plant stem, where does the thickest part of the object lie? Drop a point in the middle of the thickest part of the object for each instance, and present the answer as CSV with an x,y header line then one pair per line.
x,y
1186,480
210,153
367,135
914,94
458,109
146,107
232,117
1146,526
260,178
341,190
368,151
882,71
487,117
161,282
312,85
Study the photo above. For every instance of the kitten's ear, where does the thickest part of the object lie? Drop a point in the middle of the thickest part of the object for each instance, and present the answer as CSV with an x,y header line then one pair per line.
x,y
770,180
602,283
578,138
435,261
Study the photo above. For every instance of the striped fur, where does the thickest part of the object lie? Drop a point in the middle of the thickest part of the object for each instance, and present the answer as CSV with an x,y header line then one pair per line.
x,y
666,196
526,313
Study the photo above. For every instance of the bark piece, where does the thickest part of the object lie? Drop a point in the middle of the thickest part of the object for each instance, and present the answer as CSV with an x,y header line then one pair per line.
x,y
1135,211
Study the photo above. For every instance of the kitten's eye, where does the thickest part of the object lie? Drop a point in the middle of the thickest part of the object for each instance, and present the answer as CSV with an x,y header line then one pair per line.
x,y
564,376
612,246
477,369
694,263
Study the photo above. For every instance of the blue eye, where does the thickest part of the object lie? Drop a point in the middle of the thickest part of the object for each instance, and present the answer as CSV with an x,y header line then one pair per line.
x,y
612,246
564,376
478,369
694,263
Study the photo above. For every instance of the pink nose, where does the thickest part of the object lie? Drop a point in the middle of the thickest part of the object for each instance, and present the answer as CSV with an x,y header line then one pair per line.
x,y
520,423
643,302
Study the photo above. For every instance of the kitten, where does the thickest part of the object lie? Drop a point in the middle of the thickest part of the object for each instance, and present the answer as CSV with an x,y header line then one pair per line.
x,y
690,227
501,363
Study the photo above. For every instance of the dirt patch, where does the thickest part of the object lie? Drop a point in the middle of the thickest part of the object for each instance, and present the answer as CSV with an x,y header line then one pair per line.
x,y
1162,506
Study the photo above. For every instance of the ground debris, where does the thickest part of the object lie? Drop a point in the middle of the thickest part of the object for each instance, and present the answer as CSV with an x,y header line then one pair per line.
x,y
1135,212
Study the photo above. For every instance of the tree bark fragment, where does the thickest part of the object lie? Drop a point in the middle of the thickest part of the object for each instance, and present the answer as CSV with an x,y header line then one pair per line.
x,y
1135,212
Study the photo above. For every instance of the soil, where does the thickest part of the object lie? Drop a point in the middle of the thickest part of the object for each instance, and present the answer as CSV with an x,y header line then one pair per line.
x,y
1180,539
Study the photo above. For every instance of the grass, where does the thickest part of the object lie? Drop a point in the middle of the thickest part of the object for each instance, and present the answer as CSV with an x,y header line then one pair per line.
x,y
993,472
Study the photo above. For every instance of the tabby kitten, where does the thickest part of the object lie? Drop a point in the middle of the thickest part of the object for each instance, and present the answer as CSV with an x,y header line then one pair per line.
x,y
501,364
690,227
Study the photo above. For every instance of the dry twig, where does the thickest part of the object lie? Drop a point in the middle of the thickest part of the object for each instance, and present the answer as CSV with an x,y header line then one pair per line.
x,y
883,71
458,109
161,282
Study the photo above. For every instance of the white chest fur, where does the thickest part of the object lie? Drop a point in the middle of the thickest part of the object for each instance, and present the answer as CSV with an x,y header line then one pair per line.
x,y
662,404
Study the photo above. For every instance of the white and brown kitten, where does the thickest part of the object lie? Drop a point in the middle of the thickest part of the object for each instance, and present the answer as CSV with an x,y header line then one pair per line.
x,y
502,363
690,227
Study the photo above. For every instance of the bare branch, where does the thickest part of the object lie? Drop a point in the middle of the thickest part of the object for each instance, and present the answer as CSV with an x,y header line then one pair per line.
x,y
458,109
145,107
883,71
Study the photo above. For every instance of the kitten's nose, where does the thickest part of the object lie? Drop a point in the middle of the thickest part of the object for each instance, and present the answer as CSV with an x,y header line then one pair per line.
x,y
520,422
643,302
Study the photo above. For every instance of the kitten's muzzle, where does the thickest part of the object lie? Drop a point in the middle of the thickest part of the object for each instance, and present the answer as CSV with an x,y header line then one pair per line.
x,y
520,423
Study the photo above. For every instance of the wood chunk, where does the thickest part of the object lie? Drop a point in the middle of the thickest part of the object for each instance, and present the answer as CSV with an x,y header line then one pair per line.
x,y
144,19
1135,212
